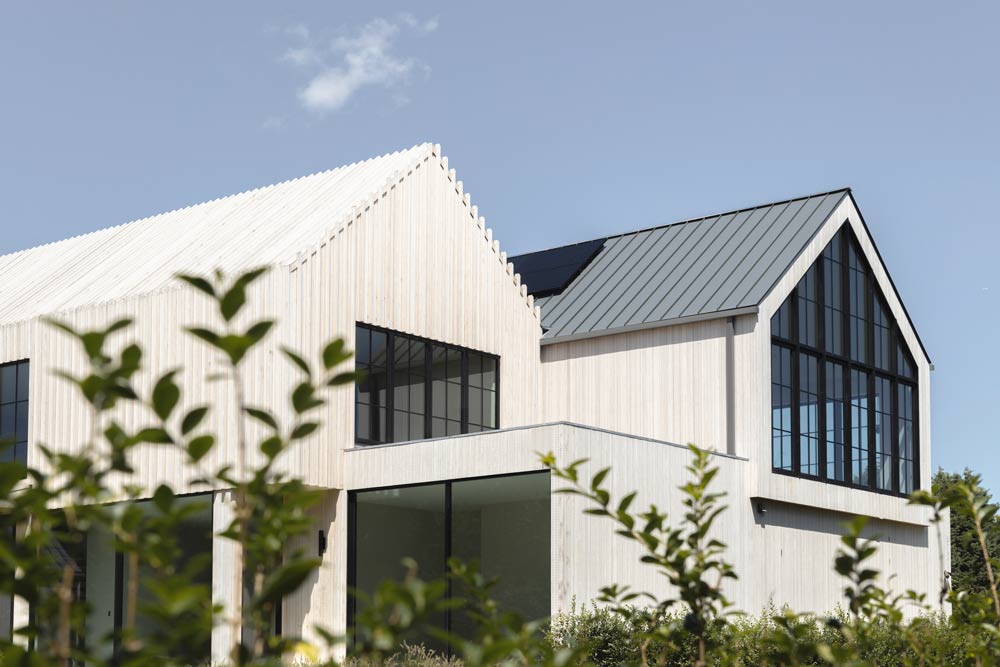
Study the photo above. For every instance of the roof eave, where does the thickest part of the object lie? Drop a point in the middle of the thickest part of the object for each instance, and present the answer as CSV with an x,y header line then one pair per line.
x,y
659,324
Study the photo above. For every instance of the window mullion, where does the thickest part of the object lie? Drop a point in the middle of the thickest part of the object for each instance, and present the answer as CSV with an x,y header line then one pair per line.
x,y
821,363
428,387
795,402
390,385
464,416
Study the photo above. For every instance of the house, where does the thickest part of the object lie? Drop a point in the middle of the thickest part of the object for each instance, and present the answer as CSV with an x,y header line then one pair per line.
x,y
772,335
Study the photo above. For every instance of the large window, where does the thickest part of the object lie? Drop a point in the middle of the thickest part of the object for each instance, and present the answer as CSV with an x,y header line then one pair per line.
x,y
502,523
843,383
14,412
415,388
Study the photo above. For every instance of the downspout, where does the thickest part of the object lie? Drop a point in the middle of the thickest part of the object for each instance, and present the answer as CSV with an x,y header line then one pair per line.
x,y
730,386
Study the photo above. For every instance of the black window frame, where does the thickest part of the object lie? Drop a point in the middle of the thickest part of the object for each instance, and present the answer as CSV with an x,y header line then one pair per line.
x,y
866,366
430,344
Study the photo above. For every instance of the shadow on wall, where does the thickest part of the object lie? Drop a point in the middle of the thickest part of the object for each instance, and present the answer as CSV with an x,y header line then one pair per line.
x,y
817,520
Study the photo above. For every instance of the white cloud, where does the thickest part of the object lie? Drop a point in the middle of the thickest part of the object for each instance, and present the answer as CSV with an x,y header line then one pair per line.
x,y
345,65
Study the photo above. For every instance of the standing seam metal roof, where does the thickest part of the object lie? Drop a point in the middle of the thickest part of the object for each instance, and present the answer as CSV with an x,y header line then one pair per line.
x,y
722,263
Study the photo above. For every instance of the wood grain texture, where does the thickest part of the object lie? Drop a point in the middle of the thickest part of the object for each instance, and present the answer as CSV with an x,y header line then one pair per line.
x,y
414,257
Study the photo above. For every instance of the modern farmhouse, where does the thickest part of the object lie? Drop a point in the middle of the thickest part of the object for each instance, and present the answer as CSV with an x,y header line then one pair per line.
x,y
772,335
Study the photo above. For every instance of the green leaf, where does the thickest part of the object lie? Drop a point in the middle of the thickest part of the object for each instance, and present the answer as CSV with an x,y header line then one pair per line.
x,y
206,335
198,447
284,580
193,418
348,377
118,325
272,446
595,483
296,359
154,435
232,302
259,330
163,498
335,353
166,394
198,283
304,430
304,398
263,416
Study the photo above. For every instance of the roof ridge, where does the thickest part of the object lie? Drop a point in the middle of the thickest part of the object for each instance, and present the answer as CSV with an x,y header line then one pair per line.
x,y
179,209
397,176
686,221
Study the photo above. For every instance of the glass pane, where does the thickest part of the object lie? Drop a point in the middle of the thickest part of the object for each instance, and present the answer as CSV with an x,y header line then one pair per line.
x,y
8,421
881,355
21,429
859,427
858,284
883,433
439,429
378,349
904,362
489,373
378,381
808,308
833,297
8,383
781,407
905,439
362,422
503,523
808,415
439,398
835,436
781,321
22,381
475,406
475,370
362,343
490,408
454,401
394,524
400,426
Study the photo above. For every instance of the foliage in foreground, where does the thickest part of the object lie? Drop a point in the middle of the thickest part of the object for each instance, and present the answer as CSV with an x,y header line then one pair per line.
x,y
696,625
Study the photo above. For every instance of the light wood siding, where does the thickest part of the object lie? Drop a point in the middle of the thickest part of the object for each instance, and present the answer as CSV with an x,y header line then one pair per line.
x,y
414,257
666,383
784,555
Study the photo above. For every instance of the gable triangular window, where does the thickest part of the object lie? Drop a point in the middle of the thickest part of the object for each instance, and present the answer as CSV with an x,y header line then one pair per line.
x,y
843,383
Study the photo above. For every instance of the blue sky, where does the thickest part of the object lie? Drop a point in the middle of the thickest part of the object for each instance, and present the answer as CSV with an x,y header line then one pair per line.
x,y
565,121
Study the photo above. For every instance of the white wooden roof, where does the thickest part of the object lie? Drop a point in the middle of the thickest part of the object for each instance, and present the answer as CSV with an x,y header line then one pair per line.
x,y
266,226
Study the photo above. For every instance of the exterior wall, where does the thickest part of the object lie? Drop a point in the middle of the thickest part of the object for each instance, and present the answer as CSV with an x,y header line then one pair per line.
x,y
417,260
783,556
414,257
667,383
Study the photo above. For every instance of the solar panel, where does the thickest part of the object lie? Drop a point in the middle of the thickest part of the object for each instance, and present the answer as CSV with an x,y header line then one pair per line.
x,y
549,271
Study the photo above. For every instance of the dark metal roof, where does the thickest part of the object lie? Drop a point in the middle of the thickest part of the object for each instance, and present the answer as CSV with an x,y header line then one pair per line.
x,y
725,263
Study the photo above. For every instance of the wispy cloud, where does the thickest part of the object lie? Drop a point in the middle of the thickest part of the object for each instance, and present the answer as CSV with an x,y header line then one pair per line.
x,y
340,67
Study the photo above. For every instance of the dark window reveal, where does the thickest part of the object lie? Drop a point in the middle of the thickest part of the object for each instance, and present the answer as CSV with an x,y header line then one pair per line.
x,y
843,383
415,388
